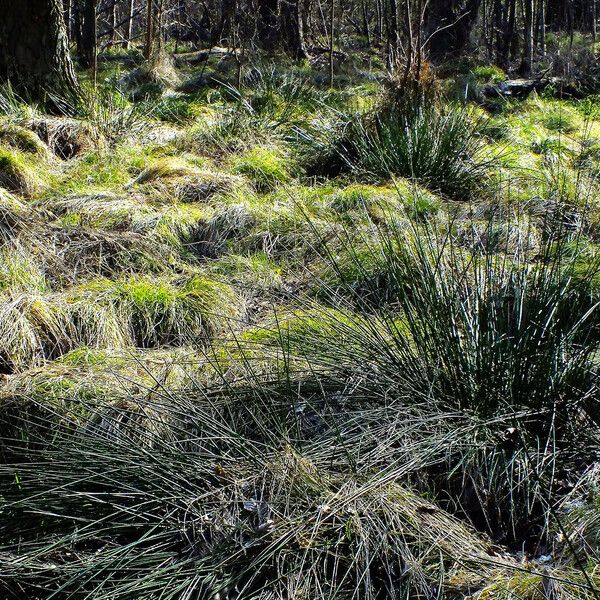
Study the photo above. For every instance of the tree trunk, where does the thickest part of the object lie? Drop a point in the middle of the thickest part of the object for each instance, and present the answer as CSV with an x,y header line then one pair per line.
x,y
393,37
112,23
331,41
77,26
268,17
129,24
291,28
34,50
89,36
153,46
67,4
280,26
527,62
149,46
448,25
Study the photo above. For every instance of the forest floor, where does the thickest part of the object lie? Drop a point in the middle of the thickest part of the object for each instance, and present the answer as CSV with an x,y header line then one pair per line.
x,y
241,359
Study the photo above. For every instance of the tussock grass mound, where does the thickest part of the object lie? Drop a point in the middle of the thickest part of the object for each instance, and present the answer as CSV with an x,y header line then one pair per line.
x,y
66,137
105,210
301,527
83,253
203,186
13,215
265,167
141,311
17,174
152,77
167,168
439,147
22,139
20,270
166,230
187,183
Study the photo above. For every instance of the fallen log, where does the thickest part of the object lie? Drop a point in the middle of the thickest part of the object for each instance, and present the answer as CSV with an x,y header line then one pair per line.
x,y
521,88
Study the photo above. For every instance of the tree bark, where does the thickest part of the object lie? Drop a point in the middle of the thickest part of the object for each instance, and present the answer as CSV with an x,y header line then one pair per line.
x,y
89,36
34,50
393,35
153,29
280,26
129,24
448,25
291,28
527,62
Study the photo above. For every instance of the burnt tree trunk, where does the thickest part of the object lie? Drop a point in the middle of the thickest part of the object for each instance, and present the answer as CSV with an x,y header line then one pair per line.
x,y
89,36
527,61
34,50
268,17
280,26
291,28
449,24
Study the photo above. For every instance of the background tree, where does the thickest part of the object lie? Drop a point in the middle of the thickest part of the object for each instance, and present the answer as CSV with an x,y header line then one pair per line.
x,y
89,36
34,52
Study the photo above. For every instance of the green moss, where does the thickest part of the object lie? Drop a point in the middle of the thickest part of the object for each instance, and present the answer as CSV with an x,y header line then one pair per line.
x,y
22,139
11,209
265,167
84,356
184,227
100,171
560,122
17,174
257,271
311,333
358,196
423,205
530,583
166,168
489,74
177,109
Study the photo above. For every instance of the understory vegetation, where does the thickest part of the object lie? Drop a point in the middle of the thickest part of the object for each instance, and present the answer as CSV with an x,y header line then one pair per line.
x,y
265,338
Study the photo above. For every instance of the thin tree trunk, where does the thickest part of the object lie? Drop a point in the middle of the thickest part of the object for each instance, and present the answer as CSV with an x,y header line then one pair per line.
x,y
112,21
365,19
129,24
331,41
89,35
542,28
527,62
149,47
393,37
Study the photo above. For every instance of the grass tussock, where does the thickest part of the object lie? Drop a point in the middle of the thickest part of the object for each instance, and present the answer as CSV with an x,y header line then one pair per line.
x,y
134,312
439,147
18,175
22,139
